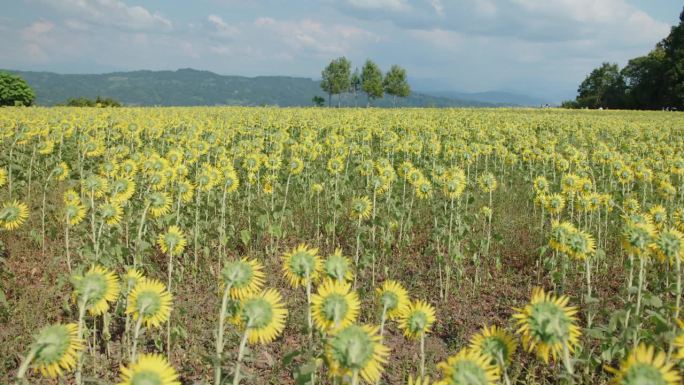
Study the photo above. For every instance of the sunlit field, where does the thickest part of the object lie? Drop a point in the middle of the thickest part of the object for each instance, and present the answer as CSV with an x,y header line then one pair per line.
x,y
160,246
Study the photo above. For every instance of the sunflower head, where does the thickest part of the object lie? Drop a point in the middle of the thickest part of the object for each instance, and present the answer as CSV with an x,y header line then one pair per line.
x,y
554,204
393,298
13,214
172,241
335,305
417,319
302,265
56,348
150,300
74,212
547,324
468,367
487,182
495,343
581,244
160,203
244,276
645,366
263,314
131,279
669,245
360,208
338,267
149,369
95,289
561,235
637,237
111,212
356,348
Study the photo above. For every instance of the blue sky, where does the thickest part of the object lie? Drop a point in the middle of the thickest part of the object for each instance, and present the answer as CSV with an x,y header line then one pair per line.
x,y
539,47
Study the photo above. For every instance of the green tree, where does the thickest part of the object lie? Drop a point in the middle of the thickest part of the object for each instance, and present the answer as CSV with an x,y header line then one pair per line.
x,y
318,101
646,80
395,83
336,78
355,84
371,81
604,87
673,45
14,91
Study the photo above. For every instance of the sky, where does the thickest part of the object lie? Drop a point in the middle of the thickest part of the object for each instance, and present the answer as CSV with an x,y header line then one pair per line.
x,y
543,48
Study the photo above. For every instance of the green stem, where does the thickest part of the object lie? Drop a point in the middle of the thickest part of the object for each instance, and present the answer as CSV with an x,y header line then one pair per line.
x,y
79,358
27,362
422,355
219,339
136,333
241,353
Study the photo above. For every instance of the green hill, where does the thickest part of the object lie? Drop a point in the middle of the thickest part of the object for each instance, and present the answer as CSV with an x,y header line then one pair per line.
x,y
189,87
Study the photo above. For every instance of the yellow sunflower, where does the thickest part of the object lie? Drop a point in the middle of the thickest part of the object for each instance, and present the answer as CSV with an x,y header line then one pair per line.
x,y
95,289
160,204
245,277
495,343
646,366
3,176
13,214
360,208
74,213
547,325
149,369
669,245
263,315
356,351
54,351
335,305
468,367
338,267
150,300
417,319
111,212
302,264
172,241
393,298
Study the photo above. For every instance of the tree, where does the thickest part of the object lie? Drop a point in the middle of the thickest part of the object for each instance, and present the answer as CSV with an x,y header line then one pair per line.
x,y
355,84
14,91
336,78
604,87
646,80
395,83
371,80
318,101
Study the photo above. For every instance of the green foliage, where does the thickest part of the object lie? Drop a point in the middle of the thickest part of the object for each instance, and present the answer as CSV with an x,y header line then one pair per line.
x,y
604,88
98,102
318,101
14,91
336,78
395,83
371,80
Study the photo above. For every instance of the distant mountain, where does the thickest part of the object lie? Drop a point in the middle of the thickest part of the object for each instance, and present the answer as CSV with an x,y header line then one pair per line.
x,y
189,87
494,97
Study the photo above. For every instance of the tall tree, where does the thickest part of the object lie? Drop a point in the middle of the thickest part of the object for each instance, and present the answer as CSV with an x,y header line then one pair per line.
x,y
646,80
336,78
674,54
371,81
14,91
604,87
355,84
395,83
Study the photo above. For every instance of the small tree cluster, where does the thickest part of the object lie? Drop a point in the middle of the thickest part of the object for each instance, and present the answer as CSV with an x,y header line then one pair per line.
x,y
337,79
14,91
98,102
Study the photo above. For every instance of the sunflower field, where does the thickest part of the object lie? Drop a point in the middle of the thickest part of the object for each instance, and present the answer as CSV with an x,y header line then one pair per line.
x,y
231,245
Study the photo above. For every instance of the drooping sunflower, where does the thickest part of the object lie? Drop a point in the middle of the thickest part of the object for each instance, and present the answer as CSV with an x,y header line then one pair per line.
x,y
360,208
554,204
393,298
669,245
338,267
468,367
111,212
645,365
356,349
263,314
659,215
172,241
495,343
74,212
131,278
245,277
149,369
423,189
55,348
13,214
302,264
560,235
61,172
150,300
417,319
122,189
160,204
335,165
678,342
335,305
547,325
487,182
637,238
95,289
581,245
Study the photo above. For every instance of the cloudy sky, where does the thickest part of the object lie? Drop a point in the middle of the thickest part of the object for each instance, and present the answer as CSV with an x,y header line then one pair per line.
x,y
539,47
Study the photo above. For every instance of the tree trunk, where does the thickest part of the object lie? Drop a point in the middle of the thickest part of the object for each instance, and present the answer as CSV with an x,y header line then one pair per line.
x,y
329,99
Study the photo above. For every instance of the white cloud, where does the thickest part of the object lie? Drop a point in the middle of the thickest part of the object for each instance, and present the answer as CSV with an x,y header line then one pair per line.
x,y
392,5
223,29
111,13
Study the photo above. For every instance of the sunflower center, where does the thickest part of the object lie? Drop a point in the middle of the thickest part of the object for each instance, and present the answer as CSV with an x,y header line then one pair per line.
x,y
146,377
549,323
336,268
302,263
148,303
352,348
54,341
257,312
643,374
93,287
389,300
238,274
468,372
9,213
335,308
495,348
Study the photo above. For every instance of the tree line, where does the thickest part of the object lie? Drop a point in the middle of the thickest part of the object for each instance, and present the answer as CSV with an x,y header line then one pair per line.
x,y
338,79
654,81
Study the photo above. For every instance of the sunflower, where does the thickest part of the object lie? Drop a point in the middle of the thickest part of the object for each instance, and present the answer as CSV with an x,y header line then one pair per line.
x,y
316,188
548,325
96,288
244,276
646,366
13,214
131,278
121,190
637,237
338,267
302,264
111,212
335,305
487,182
296,166
423,189
263,314
468,367
679,341
554,204
149,369
61,172
669,245
186,190
393,298
71,196
419,380
160,204
335,165
360,208
54,350
172,241
150,300
3,176
417,319
74,213
560,236
495,343
581,244
356,350
95,185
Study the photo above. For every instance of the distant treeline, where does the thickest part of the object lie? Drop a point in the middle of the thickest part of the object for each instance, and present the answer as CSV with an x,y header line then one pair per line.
x,y
97,102
654,81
